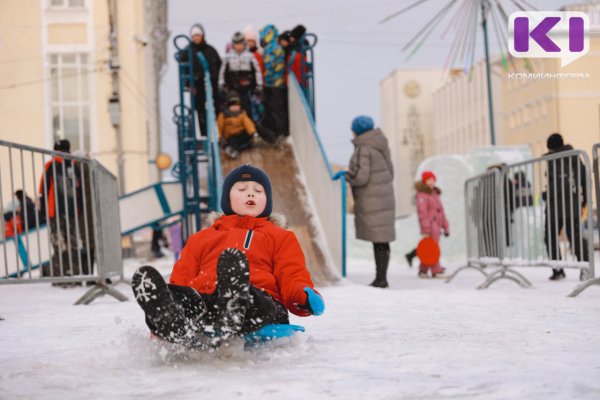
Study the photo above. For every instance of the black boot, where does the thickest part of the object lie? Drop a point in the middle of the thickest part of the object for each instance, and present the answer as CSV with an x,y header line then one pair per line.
x,y
163,316
233,288
558,274
410,257
382,259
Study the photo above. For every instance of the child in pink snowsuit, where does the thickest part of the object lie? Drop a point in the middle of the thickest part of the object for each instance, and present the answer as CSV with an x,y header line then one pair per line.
x,y
432,218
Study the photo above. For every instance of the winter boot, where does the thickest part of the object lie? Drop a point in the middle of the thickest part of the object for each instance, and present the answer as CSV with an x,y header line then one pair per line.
x,y
163,316
423,275
382,260
233,288
410,257
231,152
440,275
557,274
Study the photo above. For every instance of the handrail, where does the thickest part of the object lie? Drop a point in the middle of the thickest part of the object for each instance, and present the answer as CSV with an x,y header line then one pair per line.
x,y
187,138
191,145
306,50
215,174
339,176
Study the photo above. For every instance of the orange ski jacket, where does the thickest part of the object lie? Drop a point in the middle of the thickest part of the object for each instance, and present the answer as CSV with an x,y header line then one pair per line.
x,y
275,259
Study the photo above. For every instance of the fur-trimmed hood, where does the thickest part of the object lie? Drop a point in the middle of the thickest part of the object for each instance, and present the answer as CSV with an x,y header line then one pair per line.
x,y
276,218
421,187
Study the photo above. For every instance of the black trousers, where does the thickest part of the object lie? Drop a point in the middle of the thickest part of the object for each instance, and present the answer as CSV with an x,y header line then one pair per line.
x,y
276,111
382,260
554,222
201,312
239,142
201,109
157,236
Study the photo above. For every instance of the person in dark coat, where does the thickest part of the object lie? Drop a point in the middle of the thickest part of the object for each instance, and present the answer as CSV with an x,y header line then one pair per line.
x,y
60,194
213,59
565,201
371,176
523,191
23,218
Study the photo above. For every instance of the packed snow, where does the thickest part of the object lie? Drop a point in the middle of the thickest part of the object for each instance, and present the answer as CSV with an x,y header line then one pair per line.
x,y
421,339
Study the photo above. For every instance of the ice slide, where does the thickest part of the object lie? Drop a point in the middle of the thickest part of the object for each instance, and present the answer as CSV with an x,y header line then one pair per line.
x,y
303,189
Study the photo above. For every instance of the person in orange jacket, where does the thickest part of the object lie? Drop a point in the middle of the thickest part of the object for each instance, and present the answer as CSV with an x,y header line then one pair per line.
x,y
236,129
239,275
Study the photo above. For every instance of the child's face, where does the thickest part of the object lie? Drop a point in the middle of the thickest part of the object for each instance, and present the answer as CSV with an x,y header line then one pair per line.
x,y
235,108
239,47
430,182
248,198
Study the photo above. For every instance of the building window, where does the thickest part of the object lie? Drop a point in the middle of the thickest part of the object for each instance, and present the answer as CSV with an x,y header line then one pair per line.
x,y
67,3
70,99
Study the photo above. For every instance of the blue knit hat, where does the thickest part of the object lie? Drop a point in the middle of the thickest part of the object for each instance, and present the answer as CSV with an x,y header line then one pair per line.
x,y
246,173
361,124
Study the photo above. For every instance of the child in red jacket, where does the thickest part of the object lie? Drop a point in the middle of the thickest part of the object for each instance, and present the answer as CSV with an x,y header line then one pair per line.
x,y
237,276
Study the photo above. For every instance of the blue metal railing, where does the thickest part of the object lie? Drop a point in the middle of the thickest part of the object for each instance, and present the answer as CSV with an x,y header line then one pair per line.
x,y
215,172
192,146
184,117
306,47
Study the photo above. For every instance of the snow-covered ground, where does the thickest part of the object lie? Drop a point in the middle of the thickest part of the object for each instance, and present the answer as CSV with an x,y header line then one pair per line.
x,y
422,339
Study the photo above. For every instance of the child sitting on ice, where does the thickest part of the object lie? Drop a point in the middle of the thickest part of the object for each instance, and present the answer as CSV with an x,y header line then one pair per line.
x,y
237,276
236,129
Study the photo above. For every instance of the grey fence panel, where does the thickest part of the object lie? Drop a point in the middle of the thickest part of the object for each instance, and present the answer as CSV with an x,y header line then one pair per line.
x,y
482,223
60,220
592,278
108,227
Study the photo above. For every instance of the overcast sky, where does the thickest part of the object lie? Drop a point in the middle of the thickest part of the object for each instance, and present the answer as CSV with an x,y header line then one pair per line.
x,y
353,55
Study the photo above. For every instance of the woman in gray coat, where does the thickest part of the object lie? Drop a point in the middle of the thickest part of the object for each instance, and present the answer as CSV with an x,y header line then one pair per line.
x,y
370,175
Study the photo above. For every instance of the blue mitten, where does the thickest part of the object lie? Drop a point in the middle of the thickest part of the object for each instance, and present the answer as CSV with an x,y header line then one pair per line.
x,y
314,301
339,175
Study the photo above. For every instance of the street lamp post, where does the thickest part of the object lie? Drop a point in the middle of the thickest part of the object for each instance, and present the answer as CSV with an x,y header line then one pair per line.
x,y
484,10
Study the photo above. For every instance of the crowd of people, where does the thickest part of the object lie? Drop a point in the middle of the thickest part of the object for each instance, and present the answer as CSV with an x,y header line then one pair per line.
x,y
249,84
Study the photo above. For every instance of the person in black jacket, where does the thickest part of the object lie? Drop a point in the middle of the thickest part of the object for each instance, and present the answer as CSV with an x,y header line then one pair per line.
x,y
565,200
60,198
523,190
23,218
199,45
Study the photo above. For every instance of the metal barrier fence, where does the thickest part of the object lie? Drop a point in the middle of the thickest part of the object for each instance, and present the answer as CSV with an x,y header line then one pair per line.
x,y
530,214
60,219
593,280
